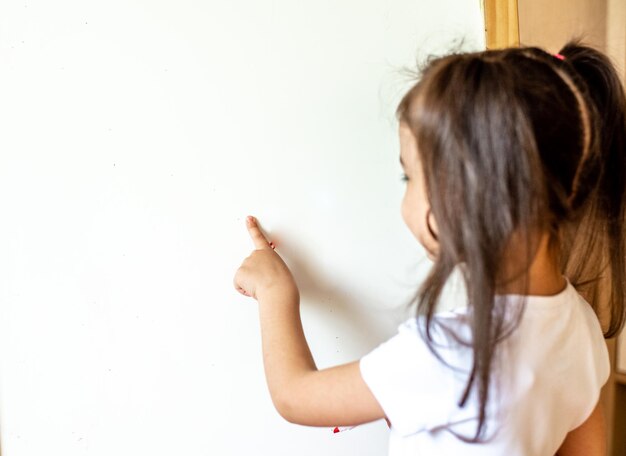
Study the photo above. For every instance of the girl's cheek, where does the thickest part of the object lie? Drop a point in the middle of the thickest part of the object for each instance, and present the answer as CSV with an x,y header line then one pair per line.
x,y
406,210
414,212
403,210
410,214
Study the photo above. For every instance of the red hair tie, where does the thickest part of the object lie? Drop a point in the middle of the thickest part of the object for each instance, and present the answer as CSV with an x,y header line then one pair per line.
x,y
559,56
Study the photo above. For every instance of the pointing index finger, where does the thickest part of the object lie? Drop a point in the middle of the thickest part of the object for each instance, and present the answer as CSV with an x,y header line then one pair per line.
x,y
260,241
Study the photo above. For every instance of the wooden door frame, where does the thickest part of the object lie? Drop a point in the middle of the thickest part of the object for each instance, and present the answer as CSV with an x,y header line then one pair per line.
x,y
501,23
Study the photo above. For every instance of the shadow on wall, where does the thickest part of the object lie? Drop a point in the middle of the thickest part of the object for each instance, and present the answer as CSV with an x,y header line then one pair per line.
x,y
364,324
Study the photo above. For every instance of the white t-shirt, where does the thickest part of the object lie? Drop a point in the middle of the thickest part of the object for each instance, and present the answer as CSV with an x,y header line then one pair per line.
x,y
546,381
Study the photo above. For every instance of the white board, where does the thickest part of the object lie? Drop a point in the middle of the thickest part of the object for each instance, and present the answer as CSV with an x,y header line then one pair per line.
x,y
135,136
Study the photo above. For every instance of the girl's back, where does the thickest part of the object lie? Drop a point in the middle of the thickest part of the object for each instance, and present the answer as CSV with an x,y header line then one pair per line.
x,y
546,381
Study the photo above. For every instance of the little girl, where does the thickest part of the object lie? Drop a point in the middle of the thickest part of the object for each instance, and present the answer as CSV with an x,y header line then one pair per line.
x,y
515,163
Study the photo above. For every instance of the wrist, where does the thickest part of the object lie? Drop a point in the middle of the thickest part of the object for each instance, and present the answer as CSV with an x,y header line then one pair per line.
x,y
283,292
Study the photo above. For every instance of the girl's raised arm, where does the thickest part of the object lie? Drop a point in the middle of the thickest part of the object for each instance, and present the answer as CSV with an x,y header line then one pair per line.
x,y
300,392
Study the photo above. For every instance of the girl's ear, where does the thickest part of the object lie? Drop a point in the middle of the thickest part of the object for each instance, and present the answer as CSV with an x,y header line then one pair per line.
x,y
429,239
431,223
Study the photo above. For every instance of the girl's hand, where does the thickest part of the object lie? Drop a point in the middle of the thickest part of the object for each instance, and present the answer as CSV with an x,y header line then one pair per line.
x,y
264,269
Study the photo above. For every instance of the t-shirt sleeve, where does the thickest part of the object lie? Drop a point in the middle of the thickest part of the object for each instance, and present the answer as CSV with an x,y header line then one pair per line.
x,y
409,382
595,365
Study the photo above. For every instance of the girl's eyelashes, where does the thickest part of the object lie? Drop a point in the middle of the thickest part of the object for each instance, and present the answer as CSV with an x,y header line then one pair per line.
x,y
404,178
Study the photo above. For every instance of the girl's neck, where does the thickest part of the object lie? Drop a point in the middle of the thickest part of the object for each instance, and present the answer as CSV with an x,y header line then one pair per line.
x,y
544,276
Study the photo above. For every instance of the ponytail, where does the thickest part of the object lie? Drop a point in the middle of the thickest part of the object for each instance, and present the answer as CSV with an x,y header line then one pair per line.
x,y
594,248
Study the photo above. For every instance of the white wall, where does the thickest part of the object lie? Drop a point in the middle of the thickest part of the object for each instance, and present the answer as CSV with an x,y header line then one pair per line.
x,y
135,136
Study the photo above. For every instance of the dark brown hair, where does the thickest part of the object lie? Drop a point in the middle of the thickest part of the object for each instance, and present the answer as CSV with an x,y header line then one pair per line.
x,y
514,143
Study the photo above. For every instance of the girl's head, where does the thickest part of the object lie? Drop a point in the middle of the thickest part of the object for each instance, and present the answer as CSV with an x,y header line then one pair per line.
x,y
502,148
500,136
